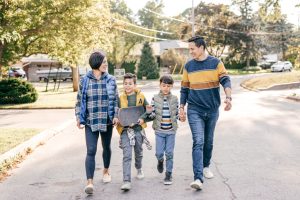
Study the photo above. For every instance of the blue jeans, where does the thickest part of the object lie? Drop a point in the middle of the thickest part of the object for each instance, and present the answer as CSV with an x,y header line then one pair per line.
x,y
202,125
165,146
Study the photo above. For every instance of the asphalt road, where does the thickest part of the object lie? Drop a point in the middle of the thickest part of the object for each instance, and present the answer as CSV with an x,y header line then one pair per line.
x,y
256,157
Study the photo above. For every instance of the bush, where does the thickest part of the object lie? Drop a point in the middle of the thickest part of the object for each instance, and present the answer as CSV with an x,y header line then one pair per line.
x,y
171,58
252,68
129,66
234,64
15,91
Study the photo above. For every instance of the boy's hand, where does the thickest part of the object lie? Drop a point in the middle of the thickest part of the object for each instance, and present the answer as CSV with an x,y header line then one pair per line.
x,y
115,121
141,121
149,109
183,118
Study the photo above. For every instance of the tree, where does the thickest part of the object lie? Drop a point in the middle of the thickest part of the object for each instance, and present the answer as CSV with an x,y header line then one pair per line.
x,y
147,66
65,29
171,58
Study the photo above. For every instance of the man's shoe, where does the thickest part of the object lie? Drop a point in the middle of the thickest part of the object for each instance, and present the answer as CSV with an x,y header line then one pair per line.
x,y
168,178
160,166
106,178
207,173
89,189
140,174
126,186
197,184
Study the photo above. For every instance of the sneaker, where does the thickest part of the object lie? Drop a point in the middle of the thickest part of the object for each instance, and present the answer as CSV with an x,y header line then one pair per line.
x,y
197,184
140,174
160,166
126,186
89,189
207,173
106,178
168,178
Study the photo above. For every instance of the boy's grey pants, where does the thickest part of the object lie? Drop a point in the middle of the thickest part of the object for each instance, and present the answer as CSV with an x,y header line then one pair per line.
x,y
127,153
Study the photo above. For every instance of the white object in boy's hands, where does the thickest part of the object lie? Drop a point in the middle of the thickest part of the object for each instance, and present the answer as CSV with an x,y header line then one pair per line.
x,y
81,126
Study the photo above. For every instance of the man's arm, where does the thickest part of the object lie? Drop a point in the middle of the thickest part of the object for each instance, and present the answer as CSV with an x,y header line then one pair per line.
x,y
226,83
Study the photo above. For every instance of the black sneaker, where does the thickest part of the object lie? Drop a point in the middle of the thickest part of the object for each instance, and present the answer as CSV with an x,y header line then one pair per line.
x,y
168,178
160,166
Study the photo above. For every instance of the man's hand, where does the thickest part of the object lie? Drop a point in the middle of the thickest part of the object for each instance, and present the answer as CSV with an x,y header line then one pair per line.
x,y
228,104
182,115
115,121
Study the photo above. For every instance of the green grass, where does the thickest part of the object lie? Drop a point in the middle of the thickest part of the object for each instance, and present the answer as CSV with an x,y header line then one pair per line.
x,y
243,72
274,79
11,137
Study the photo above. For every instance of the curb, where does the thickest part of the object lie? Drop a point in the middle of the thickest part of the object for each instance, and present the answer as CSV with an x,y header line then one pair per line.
x,y
247,88
294,98
35,141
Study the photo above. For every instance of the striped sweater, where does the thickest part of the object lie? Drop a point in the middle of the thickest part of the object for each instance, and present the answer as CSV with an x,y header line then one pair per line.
x,y
200,86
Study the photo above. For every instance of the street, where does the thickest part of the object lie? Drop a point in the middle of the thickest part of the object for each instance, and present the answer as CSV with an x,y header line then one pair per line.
x,y
256,157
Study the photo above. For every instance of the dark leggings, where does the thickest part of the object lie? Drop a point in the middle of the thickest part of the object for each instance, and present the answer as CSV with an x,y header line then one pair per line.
x,y
91,139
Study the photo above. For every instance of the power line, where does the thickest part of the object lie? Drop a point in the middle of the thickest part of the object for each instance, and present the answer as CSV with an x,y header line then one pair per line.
x,y
147,29
146,36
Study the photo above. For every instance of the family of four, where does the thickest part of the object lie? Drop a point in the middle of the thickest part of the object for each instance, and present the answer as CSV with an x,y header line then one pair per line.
x,y
98,104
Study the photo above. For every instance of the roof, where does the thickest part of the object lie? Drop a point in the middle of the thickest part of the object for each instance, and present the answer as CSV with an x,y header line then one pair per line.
x,y
159,47
39,58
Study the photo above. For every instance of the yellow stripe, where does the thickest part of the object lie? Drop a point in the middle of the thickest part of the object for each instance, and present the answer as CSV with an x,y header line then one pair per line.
x,y
203,76
207,85
185,84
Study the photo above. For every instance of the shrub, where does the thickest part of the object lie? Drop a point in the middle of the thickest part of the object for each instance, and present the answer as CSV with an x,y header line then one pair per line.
x,y
15,91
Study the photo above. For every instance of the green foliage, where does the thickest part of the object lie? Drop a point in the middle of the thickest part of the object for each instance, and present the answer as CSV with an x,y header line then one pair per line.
x,y
147,66
234,64
129,66
15,91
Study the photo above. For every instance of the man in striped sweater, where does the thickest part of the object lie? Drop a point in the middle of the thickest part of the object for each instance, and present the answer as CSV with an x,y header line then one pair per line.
x,y
200,88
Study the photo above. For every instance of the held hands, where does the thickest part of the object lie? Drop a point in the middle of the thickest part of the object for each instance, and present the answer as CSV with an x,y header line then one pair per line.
x,y
182,115
228,104
149,109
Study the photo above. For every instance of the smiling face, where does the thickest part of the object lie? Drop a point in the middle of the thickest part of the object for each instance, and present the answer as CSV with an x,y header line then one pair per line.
x,y
103,67
165,88
196,52
129,86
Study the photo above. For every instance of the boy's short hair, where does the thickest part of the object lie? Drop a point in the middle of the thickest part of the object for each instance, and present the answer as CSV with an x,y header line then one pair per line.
x,y
198,40
96,59
130,76
166,79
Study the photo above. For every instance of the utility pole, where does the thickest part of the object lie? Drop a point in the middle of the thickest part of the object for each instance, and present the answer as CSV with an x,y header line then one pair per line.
x,y
193,19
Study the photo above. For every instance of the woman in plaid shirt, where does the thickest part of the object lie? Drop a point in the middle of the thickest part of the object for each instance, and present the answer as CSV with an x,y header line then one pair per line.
x,y
97,111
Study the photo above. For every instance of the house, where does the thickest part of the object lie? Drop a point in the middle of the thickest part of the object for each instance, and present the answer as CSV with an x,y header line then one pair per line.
x,y
38,62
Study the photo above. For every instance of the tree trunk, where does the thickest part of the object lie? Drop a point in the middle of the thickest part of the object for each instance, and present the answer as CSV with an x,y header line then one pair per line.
x,y
75,77
1,54
247,55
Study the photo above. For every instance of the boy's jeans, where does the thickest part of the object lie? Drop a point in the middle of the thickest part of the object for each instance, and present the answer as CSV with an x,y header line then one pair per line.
x,y
202,125
127,153
165,142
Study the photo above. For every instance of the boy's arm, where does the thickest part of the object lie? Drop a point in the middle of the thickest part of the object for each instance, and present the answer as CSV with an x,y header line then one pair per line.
x,y
185,87
145,116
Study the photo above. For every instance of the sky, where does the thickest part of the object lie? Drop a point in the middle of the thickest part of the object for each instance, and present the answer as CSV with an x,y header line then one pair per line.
x,y
175,7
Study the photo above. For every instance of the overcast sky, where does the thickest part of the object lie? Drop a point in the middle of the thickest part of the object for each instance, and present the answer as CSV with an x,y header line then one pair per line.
x,y
175,7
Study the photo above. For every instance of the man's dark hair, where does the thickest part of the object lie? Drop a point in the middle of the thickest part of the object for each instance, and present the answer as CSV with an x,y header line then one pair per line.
x,y
166,79
198,40
96,59
130,76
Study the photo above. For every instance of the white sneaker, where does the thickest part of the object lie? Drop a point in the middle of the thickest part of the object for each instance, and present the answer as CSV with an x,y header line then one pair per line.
x,y
106,178
207,173
197,184
140,174
89,189
126,186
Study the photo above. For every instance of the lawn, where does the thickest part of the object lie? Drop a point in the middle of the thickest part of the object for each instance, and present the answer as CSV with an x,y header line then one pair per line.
x,y
11,137
274,79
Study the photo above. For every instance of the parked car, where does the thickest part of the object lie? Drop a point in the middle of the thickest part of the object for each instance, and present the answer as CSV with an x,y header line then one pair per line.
x,y
55,74
282,66
16,72
266,64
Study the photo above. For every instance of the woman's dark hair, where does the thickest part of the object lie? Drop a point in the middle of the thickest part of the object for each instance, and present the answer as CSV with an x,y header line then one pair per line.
x,y
198,40
166,79
96,59
130,76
